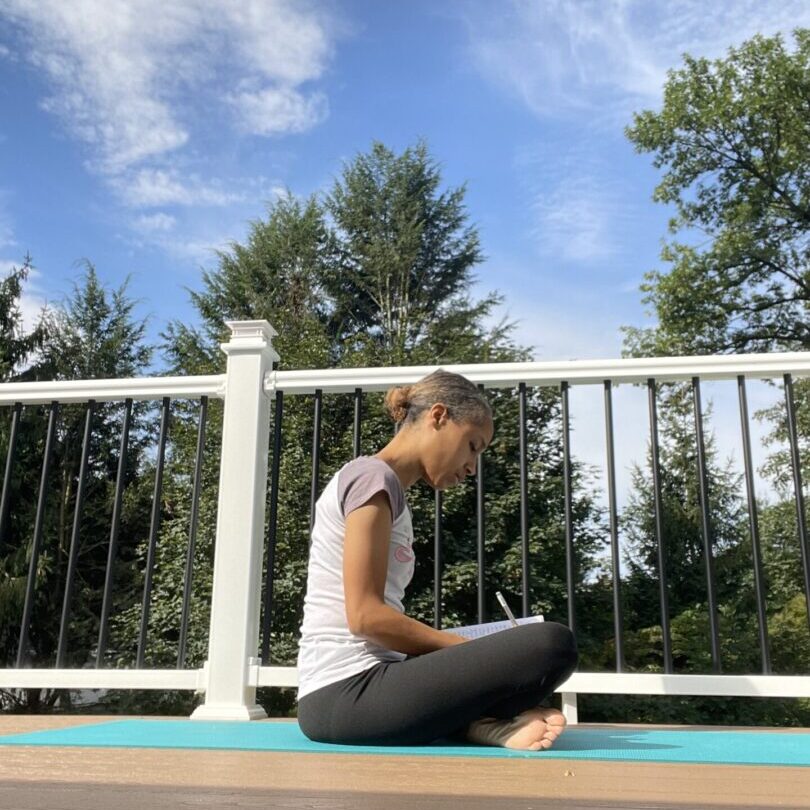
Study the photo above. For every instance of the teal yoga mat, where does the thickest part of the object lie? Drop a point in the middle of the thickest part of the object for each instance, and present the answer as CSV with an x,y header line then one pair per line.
x,y
696,746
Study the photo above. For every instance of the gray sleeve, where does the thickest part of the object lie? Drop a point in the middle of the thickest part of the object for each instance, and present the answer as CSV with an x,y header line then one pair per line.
x,y
358,482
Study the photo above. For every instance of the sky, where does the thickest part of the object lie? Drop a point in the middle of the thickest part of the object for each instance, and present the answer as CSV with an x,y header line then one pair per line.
x,y
142,136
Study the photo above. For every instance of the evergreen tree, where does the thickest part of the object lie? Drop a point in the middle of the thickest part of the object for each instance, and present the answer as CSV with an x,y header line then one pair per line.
x,y
685,558
92,335
16,347
384,284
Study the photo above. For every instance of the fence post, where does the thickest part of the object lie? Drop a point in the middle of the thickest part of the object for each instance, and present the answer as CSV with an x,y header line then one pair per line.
x,y
569,707
230,691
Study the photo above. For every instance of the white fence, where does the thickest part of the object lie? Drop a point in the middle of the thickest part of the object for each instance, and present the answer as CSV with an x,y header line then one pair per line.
x,y
232,673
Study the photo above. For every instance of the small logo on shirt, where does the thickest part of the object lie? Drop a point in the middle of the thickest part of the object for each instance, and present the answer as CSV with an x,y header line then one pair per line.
x,y
403,554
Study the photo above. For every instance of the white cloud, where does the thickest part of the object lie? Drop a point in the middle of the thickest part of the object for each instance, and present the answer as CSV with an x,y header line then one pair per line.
x,y
155,187
573,220
188,242
200,250
605,58
132,78
563,332
580,211
150,223
277,110
6,235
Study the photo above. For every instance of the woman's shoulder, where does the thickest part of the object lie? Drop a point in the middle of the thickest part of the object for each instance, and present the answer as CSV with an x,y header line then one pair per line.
x,y
363,477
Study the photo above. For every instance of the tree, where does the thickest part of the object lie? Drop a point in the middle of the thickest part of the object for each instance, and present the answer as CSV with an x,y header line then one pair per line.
x,y
92,335
16,347
377,275
733,138
685,558
406,256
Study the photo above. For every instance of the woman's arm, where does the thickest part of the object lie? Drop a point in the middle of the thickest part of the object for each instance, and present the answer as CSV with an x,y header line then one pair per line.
x,y
365,567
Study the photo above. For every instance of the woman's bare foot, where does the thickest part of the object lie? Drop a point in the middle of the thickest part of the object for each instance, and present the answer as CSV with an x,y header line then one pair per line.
x,y
533,730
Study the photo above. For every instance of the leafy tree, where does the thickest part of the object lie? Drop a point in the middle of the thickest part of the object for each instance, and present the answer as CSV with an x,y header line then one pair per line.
x,y
15,346
732,137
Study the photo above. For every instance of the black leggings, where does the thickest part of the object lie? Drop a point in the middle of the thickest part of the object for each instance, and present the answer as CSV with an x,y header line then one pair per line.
x,y
436,695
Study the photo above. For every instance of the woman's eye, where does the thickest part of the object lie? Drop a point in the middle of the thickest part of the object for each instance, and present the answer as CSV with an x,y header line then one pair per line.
x,y
472,447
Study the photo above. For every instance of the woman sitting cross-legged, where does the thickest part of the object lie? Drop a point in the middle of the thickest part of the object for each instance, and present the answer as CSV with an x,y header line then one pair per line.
x,y
369,674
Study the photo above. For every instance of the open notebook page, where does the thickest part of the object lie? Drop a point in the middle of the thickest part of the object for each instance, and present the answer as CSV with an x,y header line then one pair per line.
x,y
476,630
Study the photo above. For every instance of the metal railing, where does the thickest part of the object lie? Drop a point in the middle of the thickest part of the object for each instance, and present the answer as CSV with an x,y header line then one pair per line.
x,y
232,672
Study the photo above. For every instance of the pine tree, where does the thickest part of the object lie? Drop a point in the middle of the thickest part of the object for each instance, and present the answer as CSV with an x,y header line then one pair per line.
x,y
385,283
92,335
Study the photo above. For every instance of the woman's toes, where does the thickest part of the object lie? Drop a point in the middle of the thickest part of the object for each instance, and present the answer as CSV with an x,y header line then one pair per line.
x,y
554,720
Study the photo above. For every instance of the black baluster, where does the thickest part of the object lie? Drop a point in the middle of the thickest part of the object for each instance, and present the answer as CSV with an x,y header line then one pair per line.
x,y
272,529
22,650
358,406
316,460
706,527
797,488
759,580
437,560
524,498
480,526
106,603
614,528
659,526
61,652
570,560
5,500
192,533
153,532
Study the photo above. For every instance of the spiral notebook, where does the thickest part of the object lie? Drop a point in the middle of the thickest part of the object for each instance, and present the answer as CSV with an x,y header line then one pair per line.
x,y
476,630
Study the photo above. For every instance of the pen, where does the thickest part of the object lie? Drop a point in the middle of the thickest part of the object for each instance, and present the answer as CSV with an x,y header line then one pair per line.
x,y
506,608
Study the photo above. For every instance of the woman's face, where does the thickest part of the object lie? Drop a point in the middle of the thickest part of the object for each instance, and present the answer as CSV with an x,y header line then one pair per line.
x,y
451,449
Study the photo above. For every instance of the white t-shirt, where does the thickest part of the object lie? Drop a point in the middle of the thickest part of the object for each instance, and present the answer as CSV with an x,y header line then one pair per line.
x,y
328,651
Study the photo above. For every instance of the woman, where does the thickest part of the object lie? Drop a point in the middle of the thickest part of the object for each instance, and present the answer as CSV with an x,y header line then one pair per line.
x,y
369,674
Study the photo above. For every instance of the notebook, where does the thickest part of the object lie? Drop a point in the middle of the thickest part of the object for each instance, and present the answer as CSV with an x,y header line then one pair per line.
x,y
476,630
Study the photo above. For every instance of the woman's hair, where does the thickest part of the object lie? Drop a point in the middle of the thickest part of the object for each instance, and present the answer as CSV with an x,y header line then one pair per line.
x,y
464,401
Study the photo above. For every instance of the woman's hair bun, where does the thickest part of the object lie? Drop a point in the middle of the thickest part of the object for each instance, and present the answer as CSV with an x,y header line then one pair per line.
x,y
397,401
462,398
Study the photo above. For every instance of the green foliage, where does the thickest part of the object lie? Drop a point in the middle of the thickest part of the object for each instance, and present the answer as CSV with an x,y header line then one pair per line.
x,y
732,140
732,137
91,336
376,275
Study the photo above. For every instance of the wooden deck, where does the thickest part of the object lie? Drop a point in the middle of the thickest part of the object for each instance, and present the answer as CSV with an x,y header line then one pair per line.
x,y
124,779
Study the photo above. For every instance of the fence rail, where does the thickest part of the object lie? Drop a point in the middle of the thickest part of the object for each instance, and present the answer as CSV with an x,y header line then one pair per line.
x,y
249,388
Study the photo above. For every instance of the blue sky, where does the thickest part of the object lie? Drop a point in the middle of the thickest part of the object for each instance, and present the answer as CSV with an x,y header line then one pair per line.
x,y
142,135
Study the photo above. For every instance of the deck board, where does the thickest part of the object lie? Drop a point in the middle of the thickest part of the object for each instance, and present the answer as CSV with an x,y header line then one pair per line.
x,y
61,778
